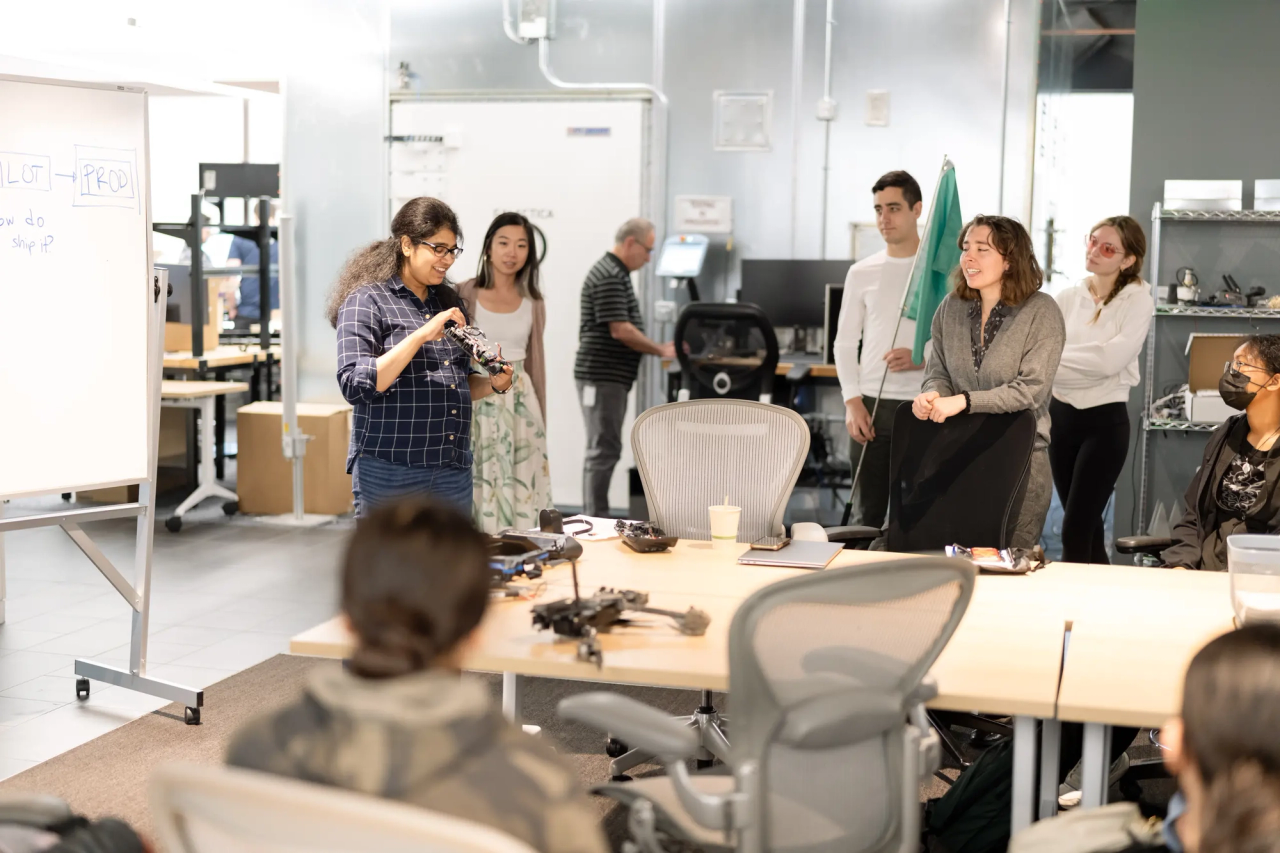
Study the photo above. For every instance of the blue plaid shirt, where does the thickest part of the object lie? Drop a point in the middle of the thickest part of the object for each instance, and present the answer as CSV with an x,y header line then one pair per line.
x,y
424,418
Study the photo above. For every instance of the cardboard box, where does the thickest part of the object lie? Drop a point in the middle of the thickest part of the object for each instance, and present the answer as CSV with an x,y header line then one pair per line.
x,y
177,336
264,478
1206,357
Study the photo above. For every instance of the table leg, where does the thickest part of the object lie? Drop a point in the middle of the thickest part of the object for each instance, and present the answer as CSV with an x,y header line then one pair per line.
x,y
1050,750
220,427
1024,772
1094,765
512,701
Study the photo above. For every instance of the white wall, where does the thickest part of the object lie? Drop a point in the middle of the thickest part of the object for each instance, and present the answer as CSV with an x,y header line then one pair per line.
x,y
334,176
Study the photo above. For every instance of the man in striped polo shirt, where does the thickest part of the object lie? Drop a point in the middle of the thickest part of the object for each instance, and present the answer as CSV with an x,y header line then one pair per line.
x,y
611,340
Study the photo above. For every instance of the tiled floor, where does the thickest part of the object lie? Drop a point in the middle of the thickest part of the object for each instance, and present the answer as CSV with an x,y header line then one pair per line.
x,y
226,594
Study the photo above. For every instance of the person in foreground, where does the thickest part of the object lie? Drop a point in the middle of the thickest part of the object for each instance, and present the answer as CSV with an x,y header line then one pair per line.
x,y
1224,753
996,344
1234,491
400,720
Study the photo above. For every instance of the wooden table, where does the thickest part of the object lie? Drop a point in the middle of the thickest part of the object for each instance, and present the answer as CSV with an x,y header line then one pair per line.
x,y
219,361
816,370
201,396
226,356
1004,658
1128,653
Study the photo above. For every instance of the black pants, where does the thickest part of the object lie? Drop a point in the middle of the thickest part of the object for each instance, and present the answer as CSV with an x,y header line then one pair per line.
x,y
1087,449
871,498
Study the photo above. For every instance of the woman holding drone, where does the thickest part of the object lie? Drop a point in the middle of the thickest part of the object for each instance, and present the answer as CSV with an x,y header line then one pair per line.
x,y
412,387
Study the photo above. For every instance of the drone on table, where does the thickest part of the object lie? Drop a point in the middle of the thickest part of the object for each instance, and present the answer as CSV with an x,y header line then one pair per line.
x,y
474,342
583,619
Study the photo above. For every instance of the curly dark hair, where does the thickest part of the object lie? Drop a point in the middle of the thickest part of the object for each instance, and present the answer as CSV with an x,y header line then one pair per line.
x,y
1024,276
415,582
1267,348
381,259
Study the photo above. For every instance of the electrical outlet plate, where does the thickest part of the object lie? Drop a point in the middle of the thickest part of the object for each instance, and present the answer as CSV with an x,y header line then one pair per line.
x,y
878,108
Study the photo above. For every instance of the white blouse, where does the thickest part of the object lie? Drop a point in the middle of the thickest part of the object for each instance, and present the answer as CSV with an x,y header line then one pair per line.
x,y
1100,360
511,329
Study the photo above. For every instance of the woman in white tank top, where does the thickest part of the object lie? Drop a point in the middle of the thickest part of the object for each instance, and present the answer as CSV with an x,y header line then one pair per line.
x,y
508,432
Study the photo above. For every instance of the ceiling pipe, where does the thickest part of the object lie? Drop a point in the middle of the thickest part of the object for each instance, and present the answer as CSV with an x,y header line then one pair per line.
x,y
544,65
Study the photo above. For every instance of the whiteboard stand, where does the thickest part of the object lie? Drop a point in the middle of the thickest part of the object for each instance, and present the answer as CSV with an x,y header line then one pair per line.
x,y
138,594
293,442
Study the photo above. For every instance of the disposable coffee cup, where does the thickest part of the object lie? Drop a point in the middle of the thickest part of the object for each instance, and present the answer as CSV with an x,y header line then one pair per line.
x,y
724,523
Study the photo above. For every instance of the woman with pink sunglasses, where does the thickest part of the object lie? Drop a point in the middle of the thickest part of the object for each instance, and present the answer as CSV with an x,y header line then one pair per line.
x,y
1107,316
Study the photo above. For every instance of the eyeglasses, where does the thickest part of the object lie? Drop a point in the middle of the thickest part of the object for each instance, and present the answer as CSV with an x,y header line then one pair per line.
x,y
1238,366
1107,250
440,250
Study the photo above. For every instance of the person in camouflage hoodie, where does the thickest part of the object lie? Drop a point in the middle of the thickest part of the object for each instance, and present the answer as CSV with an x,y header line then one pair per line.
x,y
400,721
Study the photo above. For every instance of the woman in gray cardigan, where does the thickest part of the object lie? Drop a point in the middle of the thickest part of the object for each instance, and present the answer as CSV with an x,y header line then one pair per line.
x,y
996,345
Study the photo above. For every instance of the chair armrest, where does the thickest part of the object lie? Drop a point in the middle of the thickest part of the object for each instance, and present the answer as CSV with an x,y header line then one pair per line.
x,y
1142,544
853,533
839,719
639,725
38,810
926,690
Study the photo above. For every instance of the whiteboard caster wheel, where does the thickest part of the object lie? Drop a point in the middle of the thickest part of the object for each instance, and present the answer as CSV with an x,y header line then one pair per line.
x,y
191,716
82,689
173,523
66,496
230,508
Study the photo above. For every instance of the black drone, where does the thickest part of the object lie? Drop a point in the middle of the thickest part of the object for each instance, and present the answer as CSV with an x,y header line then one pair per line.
x,y
476,345
583,618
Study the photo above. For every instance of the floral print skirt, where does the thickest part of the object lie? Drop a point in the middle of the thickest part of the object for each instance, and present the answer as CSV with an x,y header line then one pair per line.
x,y
509,445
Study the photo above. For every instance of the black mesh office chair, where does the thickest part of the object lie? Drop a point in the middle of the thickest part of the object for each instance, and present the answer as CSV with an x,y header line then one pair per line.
x,y
952,483
725,350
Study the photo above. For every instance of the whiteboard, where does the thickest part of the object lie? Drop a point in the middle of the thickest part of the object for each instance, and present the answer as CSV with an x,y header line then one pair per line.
x,y
74,287
576,168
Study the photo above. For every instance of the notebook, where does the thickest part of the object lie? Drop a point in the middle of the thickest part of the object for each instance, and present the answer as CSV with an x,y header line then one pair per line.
x,y
799,554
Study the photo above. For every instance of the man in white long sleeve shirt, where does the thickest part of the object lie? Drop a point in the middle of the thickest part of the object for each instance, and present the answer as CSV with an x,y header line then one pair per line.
x,y
870,359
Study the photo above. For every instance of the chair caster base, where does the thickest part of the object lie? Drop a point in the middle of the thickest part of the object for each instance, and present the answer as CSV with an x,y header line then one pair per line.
x,y
82,689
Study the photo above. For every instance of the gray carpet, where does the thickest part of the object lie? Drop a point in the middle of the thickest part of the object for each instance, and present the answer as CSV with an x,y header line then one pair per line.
x,y
108,776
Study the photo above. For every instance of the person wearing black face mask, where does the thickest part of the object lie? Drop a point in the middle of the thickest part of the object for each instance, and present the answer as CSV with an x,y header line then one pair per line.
x,y
1234,491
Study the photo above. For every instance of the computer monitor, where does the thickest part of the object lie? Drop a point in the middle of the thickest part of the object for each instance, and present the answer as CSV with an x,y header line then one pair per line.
x,y
791,293
831,316
682,256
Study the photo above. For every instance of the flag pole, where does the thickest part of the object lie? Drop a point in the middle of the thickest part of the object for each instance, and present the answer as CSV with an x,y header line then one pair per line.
x,y
906,292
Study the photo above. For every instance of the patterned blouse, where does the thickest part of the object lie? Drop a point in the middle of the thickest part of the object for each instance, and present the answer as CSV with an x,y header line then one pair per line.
x,y
982,342
1243,481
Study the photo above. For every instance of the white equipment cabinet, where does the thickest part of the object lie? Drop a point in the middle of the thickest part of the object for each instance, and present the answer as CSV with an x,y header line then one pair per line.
x,y
577,168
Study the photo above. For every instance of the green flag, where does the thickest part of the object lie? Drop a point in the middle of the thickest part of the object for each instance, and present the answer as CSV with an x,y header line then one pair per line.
x,y
937,256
